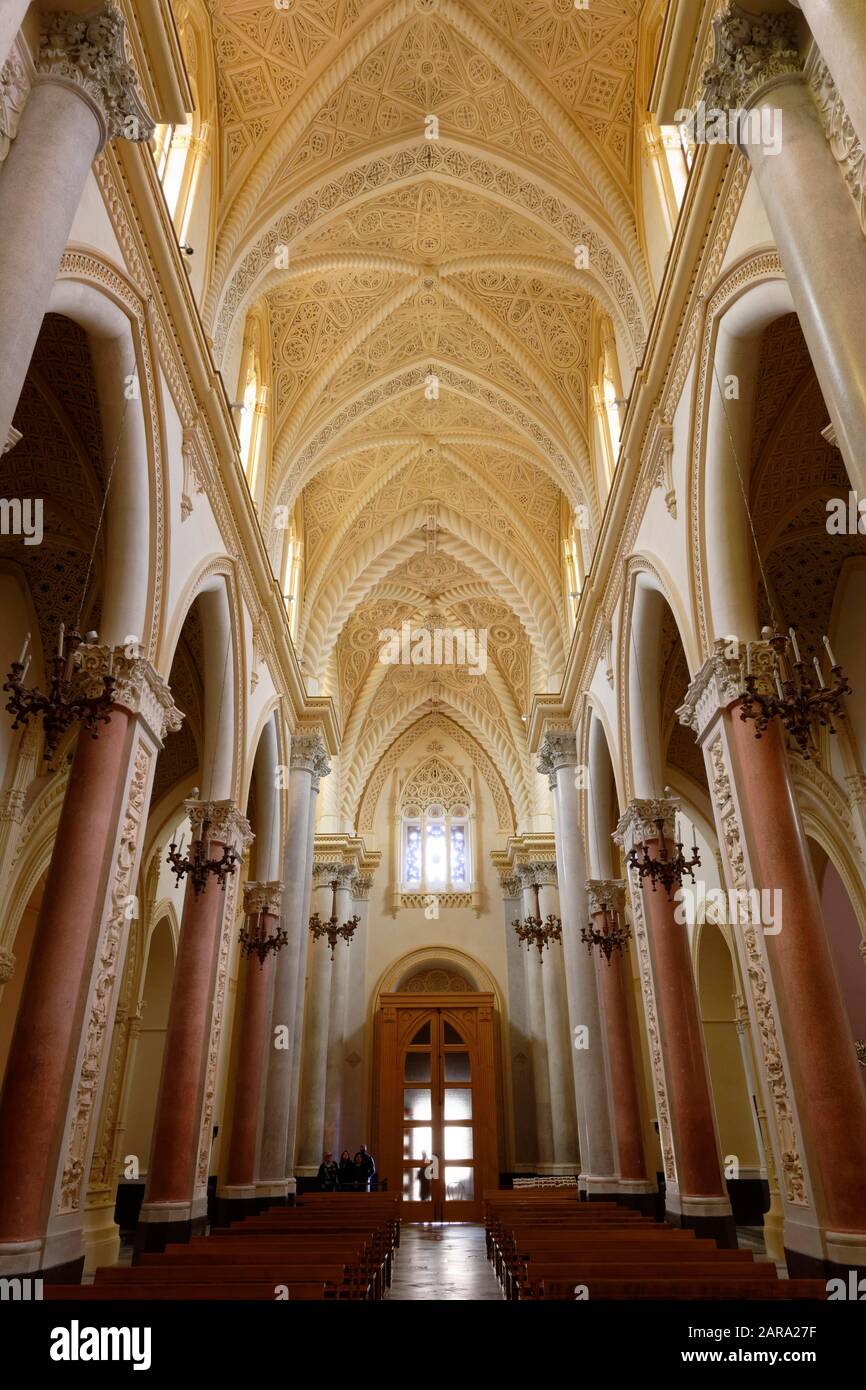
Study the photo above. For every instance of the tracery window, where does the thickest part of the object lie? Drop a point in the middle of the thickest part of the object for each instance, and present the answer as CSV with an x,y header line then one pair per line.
x,y
436,845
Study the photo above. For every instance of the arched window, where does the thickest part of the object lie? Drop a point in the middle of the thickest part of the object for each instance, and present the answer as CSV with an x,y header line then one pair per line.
x,y
436,843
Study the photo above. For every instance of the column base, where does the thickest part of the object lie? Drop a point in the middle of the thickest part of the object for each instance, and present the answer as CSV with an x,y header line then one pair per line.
x,y
57,1258
17,1263
597,1189
101,1238
234,1203
640,1196
709,1217
168,1223
844,1260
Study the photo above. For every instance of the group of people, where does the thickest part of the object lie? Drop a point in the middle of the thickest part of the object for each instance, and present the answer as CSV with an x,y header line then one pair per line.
x,y
356,1174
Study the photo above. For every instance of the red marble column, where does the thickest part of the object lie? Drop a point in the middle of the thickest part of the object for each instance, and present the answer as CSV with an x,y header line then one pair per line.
x,y
171,1171
240,1170
832,1104
624,1093
699,1172
42,1057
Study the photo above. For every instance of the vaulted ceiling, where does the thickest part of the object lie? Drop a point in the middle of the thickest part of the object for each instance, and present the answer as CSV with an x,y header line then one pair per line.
x,y
388,260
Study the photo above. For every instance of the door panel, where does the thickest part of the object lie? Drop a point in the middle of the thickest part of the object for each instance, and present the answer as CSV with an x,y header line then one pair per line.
x,y
436,1100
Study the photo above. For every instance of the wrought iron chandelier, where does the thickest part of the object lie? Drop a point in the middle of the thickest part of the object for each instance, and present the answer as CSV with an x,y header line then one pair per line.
x,y
198,863
532,931
259,941
798,701
66,702
331,929
614,931
668,869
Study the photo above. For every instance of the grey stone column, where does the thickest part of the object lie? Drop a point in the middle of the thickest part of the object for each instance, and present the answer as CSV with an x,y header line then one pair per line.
x,y
538,1039
519,1035
314,1134
758,69
337,1019
297,1055
566,1154
308,763
558,759
84,93
356,1046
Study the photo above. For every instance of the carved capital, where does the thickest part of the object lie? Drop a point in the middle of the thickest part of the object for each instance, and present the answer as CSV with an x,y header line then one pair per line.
x,y
263,897
557,750
88,52
638,824
510,884
717,685
326,872
751,53
540,871
309,753
139,687
606,893
226,824
362,887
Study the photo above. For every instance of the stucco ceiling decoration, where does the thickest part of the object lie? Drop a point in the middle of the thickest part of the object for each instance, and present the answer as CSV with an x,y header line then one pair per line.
x,y
388,261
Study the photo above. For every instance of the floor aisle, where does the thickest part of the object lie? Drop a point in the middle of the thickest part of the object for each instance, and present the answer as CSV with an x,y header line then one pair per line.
x,y
443,1262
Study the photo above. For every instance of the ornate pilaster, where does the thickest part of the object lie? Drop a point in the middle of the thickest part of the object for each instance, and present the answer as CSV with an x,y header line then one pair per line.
x,y
653,1032
88,53
844,145
715,687
753,53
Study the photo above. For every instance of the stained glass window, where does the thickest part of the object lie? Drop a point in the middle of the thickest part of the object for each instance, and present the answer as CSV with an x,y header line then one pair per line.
x,y
412,867
437,844
458,854
435,865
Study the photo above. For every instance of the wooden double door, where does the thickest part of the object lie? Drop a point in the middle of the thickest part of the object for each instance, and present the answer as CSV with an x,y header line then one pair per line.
x,y
437,1103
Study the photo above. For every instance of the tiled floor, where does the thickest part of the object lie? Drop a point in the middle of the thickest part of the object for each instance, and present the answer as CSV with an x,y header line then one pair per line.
x,y
443,1262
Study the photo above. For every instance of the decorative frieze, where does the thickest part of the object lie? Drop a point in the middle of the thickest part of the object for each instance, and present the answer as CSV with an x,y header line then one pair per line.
x,y
654,1044
89,53
751,51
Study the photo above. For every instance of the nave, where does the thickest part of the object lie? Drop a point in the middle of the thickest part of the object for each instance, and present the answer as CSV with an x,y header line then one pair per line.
x,y
432,567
